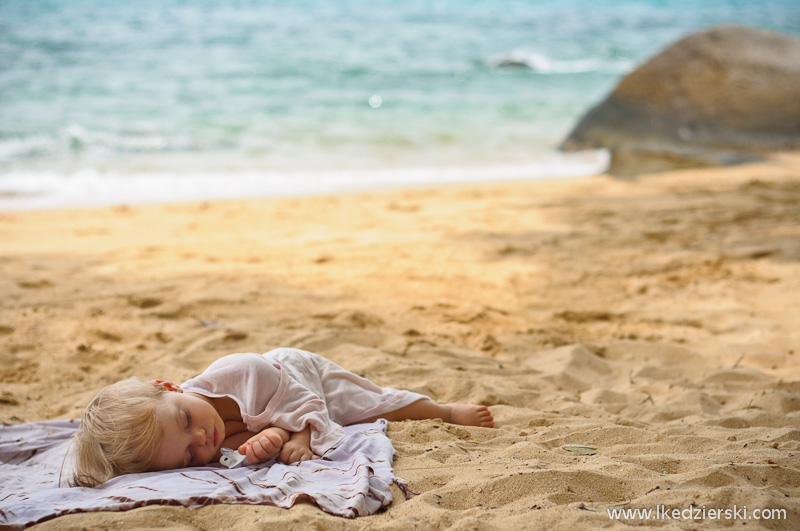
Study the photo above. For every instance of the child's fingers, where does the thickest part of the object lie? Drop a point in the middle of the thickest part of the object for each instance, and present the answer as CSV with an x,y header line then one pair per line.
x,y
273,439
291,454
295,455
258,449
254,452
264,449
261,447
285,455
251,456
255,438
268,443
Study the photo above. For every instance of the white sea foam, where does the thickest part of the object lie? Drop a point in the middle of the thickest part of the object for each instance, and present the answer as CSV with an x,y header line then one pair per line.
x,y
34,190
76,138
542,64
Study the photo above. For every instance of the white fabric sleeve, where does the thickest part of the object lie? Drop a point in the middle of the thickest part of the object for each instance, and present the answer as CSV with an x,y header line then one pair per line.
x,y
248,379
268,396
294,406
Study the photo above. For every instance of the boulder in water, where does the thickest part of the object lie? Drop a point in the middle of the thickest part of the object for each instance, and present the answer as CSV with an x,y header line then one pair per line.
x,y
721,96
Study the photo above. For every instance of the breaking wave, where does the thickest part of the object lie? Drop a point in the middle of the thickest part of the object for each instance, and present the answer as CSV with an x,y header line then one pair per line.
x,y
542,64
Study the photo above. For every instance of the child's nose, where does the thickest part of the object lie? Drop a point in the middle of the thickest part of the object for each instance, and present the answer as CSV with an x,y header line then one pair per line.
x,y
199,437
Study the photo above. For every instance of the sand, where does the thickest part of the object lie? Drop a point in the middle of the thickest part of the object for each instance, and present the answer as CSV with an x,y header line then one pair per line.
x,y
656,320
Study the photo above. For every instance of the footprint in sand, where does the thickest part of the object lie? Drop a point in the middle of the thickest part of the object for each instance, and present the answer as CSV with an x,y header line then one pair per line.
x,y
144,302
107,336
351,319
34,284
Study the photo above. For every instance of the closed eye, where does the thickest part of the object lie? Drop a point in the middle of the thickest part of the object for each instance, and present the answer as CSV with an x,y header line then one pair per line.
x,y
189,450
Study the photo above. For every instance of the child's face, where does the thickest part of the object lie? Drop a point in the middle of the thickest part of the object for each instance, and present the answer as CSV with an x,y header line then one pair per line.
x,y
192,430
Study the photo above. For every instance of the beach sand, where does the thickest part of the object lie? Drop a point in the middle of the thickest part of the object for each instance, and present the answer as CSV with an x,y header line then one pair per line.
x,y
656,320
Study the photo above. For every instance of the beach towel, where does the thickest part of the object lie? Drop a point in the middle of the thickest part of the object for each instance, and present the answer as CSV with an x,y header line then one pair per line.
x,y
353,479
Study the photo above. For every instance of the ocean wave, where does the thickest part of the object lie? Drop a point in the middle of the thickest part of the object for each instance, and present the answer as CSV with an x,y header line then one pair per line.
x,y
33,190
542,64
77,139
25,147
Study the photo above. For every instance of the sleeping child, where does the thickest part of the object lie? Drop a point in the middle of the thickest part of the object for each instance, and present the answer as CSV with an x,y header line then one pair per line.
x,y
287,404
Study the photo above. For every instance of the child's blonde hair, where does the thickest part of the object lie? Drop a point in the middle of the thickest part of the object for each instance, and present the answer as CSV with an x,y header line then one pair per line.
x,y
119,433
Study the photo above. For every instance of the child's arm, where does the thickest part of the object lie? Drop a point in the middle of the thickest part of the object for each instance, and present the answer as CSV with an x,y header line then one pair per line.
x,y
297,448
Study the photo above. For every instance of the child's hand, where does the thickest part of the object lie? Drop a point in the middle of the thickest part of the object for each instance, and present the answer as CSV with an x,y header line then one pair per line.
x,y
263,446
295,451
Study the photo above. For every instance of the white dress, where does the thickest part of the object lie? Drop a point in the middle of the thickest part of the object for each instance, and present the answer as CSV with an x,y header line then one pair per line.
x,y
291,389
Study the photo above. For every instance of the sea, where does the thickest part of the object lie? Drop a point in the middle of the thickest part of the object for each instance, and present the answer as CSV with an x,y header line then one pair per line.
x,y
105,102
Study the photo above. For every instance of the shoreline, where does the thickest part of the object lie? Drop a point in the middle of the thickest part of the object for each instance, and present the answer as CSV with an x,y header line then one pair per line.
x,y
41,189
653,319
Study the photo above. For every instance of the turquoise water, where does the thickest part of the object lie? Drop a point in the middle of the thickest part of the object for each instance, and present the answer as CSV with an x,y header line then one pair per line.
x,y
149,99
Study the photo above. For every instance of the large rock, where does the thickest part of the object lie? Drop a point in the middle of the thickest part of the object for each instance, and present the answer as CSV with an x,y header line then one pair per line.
x,y
722,96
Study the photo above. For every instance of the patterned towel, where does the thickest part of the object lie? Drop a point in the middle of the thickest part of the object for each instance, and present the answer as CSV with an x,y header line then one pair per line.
x,y
351,480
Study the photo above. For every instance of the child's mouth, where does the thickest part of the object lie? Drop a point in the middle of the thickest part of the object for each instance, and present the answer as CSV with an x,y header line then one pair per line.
x,y
215,437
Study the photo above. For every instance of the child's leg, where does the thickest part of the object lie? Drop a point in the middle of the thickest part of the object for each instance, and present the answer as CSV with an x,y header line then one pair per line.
x,y
464,414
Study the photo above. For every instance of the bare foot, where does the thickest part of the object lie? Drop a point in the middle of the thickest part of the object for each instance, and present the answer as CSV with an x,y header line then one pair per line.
x,y
471,415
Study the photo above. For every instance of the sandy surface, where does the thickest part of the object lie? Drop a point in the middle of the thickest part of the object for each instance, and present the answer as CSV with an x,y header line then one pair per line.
x,y
657,321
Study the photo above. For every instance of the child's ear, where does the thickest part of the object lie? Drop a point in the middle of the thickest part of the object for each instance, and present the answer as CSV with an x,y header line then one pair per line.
x,y
169,386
